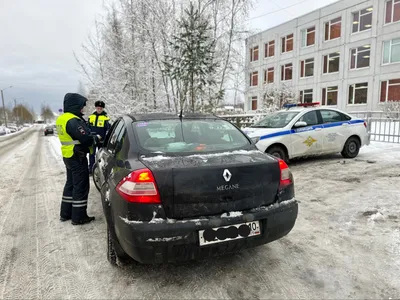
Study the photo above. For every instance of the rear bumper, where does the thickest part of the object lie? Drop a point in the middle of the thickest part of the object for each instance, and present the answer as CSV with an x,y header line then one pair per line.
x,y
173,241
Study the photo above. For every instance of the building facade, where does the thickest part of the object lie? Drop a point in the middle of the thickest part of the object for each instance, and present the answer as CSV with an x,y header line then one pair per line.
x,y
345,55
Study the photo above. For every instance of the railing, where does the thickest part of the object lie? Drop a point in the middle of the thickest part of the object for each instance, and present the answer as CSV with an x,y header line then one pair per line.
x,y
383,126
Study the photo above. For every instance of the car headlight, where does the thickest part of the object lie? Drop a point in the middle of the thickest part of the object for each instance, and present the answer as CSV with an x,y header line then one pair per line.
x,y
255,139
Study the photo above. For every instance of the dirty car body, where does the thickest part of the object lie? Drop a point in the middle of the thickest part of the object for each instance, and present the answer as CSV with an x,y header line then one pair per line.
x,y
177,189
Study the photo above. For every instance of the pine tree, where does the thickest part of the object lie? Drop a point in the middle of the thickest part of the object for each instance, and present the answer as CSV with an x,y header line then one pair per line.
x,y
192,65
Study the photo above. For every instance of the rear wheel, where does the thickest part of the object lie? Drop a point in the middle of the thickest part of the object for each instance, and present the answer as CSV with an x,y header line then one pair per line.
x,y
96,176
115,255
351,147
278,152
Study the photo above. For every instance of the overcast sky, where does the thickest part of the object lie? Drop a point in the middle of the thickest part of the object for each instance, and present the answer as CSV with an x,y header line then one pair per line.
x,y
38,37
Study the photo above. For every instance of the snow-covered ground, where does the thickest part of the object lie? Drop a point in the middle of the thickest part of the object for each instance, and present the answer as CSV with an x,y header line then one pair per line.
x,y
345,244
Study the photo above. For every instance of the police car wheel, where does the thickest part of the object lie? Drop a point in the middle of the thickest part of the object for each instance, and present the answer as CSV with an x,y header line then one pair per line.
x,y
351,148
278,152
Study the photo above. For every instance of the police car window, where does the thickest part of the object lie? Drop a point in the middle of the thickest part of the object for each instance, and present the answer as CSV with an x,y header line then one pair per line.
x,y
276,120
110,132
311,118
331,116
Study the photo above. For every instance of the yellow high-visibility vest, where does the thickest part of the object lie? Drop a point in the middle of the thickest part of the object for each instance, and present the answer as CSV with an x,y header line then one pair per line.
x,y
101,120
67,142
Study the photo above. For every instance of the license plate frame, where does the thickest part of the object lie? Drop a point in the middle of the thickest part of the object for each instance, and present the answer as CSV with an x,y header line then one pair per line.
x,y
254,226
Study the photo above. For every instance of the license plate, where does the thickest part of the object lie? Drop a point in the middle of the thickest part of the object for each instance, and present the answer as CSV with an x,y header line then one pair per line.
x,y
229,233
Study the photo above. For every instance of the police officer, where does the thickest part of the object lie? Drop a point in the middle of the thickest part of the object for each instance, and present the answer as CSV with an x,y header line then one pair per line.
x,y
99,123
76,141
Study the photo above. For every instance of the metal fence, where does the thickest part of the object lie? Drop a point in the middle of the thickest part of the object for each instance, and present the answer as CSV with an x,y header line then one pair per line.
x,y
383,126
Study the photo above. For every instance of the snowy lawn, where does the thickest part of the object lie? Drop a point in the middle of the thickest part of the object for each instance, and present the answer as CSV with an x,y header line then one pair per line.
x,y
345,244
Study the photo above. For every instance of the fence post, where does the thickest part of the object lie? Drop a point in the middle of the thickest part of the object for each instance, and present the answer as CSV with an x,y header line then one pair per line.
x,y
369,117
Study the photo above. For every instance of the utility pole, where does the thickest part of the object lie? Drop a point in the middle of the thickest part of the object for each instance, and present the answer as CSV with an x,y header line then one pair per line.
x,y
4,107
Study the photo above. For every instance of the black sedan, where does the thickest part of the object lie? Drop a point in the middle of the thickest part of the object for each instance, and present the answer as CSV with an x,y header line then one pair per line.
x,y
182,188
48,130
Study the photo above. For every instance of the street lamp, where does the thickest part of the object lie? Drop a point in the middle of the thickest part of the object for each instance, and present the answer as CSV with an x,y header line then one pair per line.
x,y
4,107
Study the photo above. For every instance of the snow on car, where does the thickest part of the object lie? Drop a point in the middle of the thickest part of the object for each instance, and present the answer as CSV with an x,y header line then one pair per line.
x,y
308,129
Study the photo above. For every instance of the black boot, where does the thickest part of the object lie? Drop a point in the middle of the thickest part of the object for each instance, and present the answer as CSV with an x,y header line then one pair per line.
x,y
63,219
84,221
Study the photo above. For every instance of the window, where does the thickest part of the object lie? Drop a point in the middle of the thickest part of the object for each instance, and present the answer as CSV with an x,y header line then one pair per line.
x,y
358,93
392,11
287,43
287,72
308,37
331,116
253,101
276,120
175,136
269,75
359,57
306,96
390,90
307,67
330,95
114,138
254,54
391,51
311,118
362,20
269,49
254,78
333,28
331,63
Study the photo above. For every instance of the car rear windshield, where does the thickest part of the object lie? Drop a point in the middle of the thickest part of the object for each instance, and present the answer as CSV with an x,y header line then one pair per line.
x,y
276,120
174,136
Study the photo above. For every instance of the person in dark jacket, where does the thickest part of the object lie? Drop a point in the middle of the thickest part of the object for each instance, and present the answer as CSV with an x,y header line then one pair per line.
x,y
99,123
76,141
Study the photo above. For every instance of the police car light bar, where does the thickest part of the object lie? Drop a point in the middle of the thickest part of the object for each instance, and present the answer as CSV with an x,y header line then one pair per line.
x,y
301,104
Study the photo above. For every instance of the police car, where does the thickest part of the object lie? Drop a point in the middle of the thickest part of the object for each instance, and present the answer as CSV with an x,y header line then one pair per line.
x,y
307,129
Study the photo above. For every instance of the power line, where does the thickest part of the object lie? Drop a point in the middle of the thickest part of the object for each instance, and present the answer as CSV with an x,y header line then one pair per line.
x,y
278,10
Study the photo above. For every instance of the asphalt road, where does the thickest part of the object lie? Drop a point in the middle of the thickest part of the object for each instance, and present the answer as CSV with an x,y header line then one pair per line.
x,y
346,243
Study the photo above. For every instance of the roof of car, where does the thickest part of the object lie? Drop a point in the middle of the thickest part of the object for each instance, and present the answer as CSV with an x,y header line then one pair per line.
x,y
169,116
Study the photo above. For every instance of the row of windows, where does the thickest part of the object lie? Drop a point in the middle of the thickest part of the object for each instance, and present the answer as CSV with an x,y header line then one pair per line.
x,y
362,20
359,58
357,94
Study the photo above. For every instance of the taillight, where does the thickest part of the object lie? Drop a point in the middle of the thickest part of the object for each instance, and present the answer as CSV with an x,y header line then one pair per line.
x,y
139,187
285,174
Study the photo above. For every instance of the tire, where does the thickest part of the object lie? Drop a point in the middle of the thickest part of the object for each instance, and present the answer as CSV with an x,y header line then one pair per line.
x,y
351,147
278,152
111,254
115,255
96,177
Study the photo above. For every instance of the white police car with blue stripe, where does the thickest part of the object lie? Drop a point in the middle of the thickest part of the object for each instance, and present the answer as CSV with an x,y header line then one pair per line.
x,y
307,129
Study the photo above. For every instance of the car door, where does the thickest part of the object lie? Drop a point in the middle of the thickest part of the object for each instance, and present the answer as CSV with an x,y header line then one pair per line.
x,y
307,140
336,130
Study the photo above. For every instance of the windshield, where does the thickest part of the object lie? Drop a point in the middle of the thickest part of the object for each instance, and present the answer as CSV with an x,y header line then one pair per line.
x,y
174,136
276,120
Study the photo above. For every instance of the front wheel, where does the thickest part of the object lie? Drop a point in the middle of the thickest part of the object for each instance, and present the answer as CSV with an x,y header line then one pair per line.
x,y
278,152
351,147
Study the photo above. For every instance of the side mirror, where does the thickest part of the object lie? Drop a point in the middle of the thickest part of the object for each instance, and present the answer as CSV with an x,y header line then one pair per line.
x,y
300,124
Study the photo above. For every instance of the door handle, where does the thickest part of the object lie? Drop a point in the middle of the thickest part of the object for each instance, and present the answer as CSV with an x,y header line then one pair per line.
x,y
345,124
318,129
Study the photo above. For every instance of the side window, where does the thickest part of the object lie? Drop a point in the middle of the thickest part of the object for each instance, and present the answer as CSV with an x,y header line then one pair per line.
x,y
114,136
311,118
109,133
331,116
